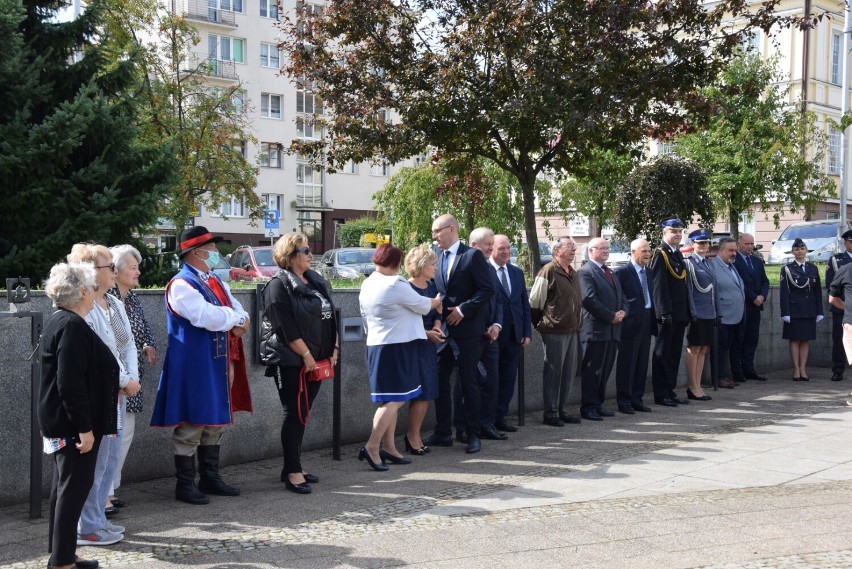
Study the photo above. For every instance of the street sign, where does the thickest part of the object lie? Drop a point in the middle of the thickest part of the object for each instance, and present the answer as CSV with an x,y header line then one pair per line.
x,y
271,220
272,232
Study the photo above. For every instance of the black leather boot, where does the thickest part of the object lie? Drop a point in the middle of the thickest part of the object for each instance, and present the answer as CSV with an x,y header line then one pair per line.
x,y
208,467
186,490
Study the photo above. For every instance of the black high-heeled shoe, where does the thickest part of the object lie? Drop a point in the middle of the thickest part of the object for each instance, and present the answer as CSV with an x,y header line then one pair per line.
x,y
691,395
302,488
415,451
394,459
363,454
310,478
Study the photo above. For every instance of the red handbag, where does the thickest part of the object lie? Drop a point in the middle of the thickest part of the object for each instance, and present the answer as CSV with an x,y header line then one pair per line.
x,y
323,371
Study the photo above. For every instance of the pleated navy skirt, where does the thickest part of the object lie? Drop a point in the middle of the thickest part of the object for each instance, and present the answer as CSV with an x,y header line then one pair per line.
x,y
395,371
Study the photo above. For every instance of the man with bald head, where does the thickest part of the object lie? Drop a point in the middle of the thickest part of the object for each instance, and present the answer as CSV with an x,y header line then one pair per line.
x,y
466,281
756,286
631,370
603,312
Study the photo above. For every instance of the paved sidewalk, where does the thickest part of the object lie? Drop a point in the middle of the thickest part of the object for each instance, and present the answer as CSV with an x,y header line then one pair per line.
x,y
759,477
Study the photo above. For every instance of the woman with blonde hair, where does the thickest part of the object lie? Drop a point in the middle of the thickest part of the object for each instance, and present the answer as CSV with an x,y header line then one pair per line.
x,y
420,264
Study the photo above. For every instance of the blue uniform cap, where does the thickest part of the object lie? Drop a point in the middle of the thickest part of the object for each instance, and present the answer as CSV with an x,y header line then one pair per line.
x,y
700,235
847,236
673,223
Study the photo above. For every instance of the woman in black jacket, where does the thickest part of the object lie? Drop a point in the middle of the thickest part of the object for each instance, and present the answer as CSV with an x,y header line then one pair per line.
x,y
299,329
76,406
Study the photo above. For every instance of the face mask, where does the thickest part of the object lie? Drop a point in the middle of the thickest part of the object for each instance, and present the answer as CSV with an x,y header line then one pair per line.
x,y
212,260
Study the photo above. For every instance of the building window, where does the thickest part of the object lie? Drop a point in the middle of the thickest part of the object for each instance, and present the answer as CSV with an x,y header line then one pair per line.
x,y
272,201
231,5
270,154
350,168
238,147
833,151
233,208
269,9
238,101
306,9
750,41
309,182
224,48
306,101
306,129
836,42
269,55
380,170
270,106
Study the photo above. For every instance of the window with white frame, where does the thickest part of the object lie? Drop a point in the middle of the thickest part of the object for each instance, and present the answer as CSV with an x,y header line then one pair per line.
x,y
231,5
225,48
836,59
833,154
306,100
306,9
309,183
750,41
269,9
269,55
238,147
350,168
382,169
233,208
272,201
270,106
270,154
306,129
238,100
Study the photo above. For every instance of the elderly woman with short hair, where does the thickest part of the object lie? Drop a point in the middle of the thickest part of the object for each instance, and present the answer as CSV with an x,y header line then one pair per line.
x,y
420,264
393,315
127,260
299,329
108,319
76,404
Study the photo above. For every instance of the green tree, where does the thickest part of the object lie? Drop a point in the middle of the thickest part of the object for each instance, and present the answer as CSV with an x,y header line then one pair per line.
x,y
666,186
207,126
752,148
532,86
72,163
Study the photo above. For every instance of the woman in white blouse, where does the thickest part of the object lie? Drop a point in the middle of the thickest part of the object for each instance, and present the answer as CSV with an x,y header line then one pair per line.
x,y
393,313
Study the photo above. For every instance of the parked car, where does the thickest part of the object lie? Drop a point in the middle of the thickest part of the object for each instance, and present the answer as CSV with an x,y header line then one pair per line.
x,y
223,269
347,263
252,263
823,237
544,251
619,253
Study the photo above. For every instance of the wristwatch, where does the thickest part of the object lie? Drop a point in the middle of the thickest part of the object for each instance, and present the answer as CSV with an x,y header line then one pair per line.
x,y
241,321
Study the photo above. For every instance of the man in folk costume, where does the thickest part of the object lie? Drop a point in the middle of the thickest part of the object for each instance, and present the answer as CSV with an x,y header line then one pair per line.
x,y
204,377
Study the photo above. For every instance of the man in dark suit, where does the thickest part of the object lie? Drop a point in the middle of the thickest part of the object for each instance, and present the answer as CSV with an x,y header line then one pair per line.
x,y
838,354
603,311
756,287
482,239
517,326
671,306
465,280
631,370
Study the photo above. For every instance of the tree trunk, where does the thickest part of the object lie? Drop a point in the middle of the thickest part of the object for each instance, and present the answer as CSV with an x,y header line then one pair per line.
x,y
734,222
528,190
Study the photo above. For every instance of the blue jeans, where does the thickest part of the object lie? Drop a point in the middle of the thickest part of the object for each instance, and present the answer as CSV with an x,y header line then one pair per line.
x,y
92,518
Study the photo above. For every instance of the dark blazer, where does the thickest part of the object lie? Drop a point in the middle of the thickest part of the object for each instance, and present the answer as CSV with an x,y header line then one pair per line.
x,y
601,300
834,265
670,292
470,287
754,278
801,293
517,318
634,302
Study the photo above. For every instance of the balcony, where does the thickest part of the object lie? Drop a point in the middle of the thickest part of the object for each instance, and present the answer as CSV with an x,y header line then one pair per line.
x,y
202,11
211,67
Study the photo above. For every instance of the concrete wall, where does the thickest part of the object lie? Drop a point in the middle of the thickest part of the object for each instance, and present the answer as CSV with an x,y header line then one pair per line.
x,y
257,436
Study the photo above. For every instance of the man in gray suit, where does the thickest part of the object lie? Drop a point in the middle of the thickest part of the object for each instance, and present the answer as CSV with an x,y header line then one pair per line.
x,y
730,299
603,311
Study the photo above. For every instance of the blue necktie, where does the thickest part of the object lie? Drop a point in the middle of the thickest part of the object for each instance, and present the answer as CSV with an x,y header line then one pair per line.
x,y
445,262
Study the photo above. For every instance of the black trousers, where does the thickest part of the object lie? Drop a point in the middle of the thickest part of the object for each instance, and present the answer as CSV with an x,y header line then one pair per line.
x,y
838,353
461,355
728,336
631,369
510,355
666,360
73,476
292,430
487,375
744,346
598,359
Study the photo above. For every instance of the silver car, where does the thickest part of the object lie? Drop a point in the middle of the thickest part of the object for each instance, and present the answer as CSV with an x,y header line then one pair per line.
x,y
347,263
821,237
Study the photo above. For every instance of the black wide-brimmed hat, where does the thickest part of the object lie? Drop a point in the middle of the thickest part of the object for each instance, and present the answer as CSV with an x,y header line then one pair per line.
x,y
799,243
195,237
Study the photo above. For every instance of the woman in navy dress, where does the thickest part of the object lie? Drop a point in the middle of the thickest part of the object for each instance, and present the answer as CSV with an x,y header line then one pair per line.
x,y
393,312
801,306
420,266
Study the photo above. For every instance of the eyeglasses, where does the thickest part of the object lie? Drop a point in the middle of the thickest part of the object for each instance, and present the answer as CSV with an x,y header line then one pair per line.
x,y
111,267
440,229
304,250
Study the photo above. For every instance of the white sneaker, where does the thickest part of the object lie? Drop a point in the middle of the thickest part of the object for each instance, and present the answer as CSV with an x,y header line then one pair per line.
x,y
113,528
100,537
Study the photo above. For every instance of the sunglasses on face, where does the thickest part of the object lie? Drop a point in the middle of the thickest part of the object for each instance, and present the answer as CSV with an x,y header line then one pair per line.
x,y
304,250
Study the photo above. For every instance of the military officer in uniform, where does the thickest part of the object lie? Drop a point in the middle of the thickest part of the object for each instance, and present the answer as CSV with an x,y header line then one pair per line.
x,y
801,306
838,355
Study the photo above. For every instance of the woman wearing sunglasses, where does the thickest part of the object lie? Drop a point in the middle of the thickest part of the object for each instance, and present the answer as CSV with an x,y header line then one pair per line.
x,y
299,329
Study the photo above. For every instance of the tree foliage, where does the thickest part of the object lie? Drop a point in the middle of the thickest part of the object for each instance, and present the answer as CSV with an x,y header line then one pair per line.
x,y
667,186
207,125
72,163
753,148
532,86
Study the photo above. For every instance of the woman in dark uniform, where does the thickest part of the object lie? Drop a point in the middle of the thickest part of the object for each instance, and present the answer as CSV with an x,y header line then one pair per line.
x,y
801,306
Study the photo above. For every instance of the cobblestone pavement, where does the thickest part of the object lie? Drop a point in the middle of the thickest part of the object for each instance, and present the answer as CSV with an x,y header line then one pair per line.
x,y
759,477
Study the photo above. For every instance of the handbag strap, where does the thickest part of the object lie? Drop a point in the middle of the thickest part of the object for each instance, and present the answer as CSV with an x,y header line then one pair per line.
x,y
303,414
